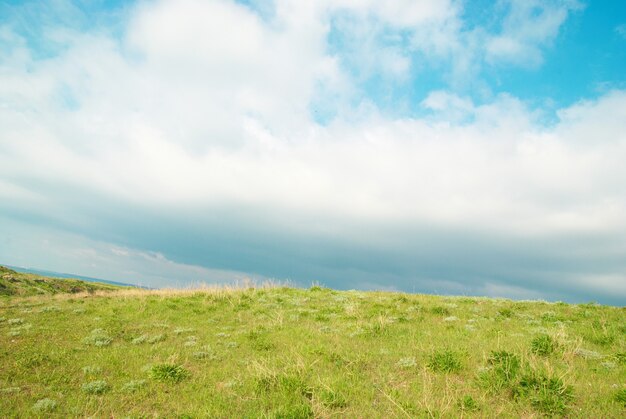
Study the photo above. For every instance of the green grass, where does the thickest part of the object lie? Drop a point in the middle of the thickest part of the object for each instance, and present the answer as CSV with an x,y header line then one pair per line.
x,y
296,353
543,345
445,361
169,372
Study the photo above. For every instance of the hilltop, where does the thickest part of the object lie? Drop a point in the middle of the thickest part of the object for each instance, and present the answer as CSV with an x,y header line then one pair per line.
x,y
297,353
14,283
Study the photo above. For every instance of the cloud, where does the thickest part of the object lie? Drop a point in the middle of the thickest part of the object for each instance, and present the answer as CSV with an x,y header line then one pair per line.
x,y
188,141
400,40
527,27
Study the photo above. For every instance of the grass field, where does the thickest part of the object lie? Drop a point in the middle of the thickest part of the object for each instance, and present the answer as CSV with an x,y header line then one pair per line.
x,y
295,353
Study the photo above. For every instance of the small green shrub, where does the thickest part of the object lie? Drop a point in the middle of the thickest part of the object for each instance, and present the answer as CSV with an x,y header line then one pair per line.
x,y
98,337
139,340
168,372
620,397
133,386
547,394
155,339
44,406
542,345
96,387
445,361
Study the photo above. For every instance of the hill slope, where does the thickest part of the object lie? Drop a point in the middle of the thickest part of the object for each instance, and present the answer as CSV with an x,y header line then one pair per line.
x,y
284,352
26,284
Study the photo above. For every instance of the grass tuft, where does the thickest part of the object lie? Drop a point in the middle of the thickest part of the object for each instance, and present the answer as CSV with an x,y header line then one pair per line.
x,y
547,394
503,368
445,361
333,399
505,365
169,372
542,345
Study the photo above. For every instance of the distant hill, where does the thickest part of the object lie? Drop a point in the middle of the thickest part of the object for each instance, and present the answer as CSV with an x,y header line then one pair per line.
x,y
13,283
53,274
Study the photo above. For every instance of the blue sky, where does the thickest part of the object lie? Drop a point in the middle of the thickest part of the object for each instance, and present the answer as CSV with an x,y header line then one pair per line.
x,y
457,147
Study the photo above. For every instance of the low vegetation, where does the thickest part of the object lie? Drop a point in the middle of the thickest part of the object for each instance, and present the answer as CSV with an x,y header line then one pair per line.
x,y
295,353
14,283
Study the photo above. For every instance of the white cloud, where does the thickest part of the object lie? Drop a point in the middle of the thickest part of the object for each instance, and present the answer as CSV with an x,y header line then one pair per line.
x,y
436,30
449,106
529,26
214,110
399,13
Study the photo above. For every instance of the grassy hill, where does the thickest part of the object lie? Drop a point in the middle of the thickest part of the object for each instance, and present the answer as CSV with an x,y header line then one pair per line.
x,y
14,283
297,353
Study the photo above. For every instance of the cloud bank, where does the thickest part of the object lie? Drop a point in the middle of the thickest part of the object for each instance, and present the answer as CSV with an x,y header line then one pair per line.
x,y
224,139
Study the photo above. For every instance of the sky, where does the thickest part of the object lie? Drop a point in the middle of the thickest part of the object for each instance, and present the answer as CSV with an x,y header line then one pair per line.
x,y
432,146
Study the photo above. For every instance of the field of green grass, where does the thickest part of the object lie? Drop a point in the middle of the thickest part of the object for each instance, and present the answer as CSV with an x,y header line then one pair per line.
x,y
283,352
